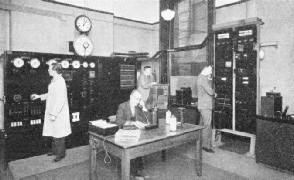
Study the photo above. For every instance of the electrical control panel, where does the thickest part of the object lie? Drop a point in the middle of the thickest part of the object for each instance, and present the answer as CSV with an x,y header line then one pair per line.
x,y
246,79
223,78
236,77
95,87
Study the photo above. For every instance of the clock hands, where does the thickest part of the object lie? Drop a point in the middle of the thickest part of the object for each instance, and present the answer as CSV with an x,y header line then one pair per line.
x,y
85,45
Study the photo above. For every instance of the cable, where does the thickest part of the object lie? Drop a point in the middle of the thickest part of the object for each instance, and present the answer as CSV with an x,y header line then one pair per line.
x,y
106,157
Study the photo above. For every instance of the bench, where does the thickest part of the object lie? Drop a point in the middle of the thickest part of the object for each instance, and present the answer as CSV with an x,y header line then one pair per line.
x,y
251,136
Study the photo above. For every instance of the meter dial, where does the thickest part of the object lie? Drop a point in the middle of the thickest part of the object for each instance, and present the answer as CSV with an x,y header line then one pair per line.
x,y
92,65
64,64
18,62
35,63
76,64
85,64
17,98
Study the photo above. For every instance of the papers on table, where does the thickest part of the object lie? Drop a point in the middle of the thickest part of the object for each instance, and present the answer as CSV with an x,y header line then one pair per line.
x,y
127,135
102,124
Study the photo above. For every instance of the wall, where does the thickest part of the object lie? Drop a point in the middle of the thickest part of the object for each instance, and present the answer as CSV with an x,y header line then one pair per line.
x,y
276,69
38,26
131,36
47,27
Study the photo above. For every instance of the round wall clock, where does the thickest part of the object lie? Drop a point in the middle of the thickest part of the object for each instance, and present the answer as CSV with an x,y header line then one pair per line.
x,y
83,46
83,24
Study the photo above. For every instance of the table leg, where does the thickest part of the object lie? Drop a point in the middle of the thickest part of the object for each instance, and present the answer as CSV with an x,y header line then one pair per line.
x,y
198,155
163,155
92,158
125,165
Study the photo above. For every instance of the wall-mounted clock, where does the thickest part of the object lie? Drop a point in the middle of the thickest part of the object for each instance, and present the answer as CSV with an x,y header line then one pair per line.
x,y
83,24
83,46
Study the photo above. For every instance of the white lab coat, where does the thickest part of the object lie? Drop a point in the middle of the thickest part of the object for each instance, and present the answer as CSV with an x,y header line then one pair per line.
x,y
56,105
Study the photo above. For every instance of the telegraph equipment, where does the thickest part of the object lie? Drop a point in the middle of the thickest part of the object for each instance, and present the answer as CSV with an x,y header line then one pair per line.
x,y
95,86
236,77
159,94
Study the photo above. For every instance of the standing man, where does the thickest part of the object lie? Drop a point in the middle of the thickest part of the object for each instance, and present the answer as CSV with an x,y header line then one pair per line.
x,y
56,121
145,83
205,105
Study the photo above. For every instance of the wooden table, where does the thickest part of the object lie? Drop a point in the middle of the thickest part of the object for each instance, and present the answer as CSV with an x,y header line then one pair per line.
x,y
151,141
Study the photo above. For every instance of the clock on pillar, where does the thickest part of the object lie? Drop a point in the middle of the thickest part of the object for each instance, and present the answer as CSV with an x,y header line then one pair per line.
x,y
83,24
83,46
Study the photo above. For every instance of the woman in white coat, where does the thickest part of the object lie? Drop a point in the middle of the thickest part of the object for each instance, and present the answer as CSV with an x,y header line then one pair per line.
x,y
56,121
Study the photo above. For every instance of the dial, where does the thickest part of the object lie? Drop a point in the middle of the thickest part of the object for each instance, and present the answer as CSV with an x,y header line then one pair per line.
x,y
35,63
85,64
18,62
83,24
92,65
76,64
83,46
64,64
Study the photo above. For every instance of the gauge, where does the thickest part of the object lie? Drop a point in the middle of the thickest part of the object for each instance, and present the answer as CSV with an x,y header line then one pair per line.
x,y
76,64
17,98
18,62
92,65
85,64
64,64
35,63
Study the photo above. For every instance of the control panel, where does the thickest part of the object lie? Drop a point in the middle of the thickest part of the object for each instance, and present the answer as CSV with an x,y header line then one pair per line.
x,y
95,87
236,78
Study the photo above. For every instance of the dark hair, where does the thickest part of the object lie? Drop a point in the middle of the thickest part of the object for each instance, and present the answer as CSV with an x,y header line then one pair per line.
x,y
147,67
56,67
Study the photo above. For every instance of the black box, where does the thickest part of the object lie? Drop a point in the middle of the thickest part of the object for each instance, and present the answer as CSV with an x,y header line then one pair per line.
x,y
104,132
271,106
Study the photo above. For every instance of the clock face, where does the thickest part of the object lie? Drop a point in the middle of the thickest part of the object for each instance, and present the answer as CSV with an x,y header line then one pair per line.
x,y
83,24
83,46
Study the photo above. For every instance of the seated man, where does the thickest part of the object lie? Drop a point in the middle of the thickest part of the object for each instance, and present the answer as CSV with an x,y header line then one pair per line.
x,y
133,111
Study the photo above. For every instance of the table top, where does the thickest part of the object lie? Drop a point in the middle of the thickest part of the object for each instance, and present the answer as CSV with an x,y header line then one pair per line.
x,y
148,136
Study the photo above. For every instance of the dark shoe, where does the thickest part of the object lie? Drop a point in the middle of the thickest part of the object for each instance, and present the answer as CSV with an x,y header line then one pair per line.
x,y
50,154
57,159
208,150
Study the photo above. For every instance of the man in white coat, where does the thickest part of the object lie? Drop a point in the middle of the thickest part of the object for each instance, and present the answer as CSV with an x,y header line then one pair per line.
x,y
56,121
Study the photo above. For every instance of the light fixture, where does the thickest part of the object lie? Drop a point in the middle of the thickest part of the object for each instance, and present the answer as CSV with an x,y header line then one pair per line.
x,y
261,54
168,14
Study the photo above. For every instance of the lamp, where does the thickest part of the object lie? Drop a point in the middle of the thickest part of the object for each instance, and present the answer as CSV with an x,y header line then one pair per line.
x,y
261,54
168,14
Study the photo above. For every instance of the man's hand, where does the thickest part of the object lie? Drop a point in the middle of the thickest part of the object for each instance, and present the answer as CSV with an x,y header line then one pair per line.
x,y
34,96
141,103
139,124
52,118
128,123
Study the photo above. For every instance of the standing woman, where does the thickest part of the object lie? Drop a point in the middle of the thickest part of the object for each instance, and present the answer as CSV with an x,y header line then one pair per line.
x,y
56,121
